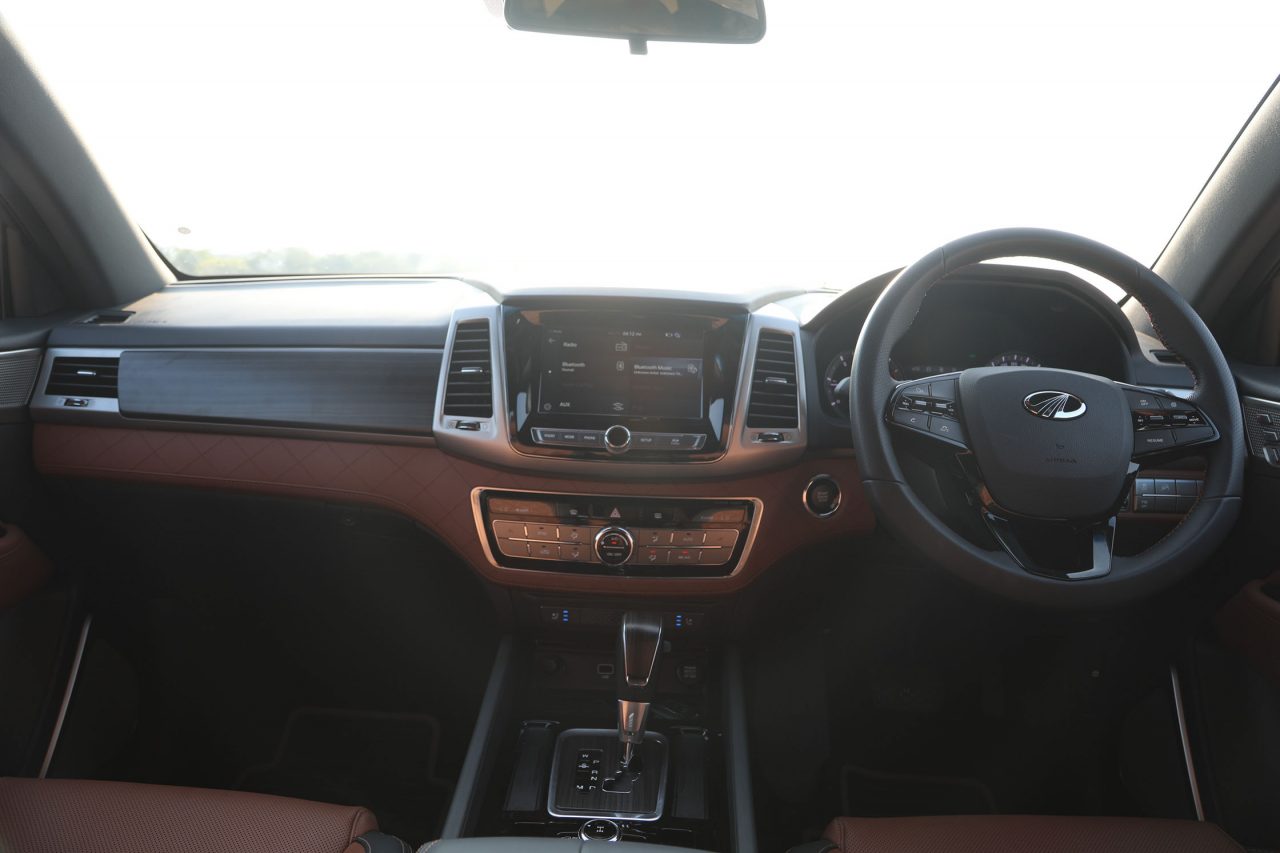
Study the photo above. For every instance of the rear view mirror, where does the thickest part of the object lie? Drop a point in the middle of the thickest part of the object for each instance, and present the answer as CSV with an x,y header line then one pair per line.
x,y
642,21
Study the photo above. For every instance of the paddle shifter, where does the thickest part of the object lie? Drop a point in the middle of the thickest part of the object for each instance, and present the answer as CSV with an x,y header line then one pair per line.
x,y
639,645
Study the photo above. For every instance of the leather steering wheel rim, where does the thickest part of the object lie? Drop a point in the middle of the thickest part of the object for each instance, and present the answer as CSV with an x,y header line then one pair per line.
x,y
1180,329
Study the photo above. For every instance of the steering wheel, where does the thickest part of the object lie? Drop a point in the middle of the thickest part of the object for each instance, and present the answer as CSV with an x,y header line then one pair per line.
x,y
1046,457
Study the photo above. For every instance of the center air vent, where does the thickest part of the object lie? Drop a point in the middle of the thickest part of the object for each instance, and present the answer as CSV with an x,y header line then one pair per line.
x,y
84,377
469,390
773,383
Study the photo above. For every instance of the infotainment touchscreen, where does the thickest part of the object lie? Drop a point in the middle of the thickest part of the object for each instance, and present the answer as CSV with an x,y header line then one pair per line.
x,y
647,371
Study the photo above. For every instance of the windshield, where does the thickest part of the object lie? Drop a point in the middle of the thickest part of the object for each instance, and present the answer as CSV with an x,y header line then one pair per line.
x,y
424,136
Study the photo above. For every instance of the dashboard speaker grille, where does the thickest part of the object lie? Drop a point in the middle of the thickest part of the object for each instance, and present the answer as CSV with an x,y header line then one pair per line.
x,y
469,390
774,399
84,377
18,376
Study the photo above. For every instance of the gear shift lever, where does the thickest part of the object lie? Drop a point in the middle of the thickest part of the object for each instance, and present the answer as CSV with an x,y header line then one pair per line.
x,y
639,645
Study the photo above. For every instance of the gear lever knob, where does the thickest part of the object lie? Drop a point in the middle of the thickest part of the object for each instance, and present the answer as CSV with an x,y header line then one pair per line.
x,y
639,644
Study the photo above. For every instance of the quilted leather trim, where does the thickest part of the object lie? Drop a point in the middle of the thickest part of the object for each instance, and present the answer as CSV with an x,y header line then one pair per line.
x,y
433,488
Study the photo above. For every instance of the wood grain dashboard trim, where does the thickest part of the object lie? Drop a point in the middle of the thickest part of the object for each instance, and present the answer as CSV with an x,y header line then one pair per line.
x,y
433,488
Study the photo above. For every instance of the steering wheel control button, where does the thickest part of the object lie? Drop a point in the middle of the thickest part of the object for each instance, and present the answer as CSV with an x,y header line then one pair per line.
x,y
1174,404
913,420
1153,441
614,545
1142,400
929,407
1157,417
821,497
947,428
617,439
943,389
1192,435
1165,495
599,829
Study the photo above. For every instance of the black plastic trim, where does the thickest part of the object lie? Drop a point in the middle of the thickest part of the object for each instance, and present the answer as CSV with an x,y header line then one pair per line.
x,y
367,390
469,792
742,815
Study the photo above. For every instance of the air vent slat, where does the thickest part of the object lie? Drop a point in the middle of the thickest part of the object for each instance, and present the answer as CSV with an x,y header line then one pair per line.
x,y
774,401
84,377
468,391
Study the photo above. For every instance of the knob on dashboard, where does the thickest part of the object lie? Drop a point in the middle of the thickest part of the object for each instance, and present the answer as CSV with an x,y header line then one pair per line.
x,y
617,439
614,545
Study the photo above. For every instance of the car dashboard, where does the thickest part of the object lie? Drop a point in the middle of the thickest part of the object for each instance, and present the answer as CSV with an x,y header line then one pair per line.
x,y
568,441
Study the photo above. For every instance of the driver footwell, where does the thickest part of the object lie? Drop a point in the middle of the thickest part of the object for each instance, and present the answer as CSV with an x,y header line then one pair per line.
x,y
928,697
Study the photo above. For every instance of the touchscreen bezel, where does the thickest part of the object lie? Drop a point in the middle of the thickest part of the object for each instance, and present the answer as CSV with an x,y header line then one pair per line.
x,y
722,339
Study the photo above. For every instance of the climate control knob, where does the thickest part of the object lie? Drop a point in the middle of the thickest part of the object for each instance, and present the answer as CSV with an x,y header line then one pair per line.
x,y
614,545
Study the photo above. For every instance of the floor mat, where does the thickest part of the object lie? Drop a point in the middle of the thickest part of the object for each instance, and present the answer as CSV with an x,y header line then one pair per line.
x,y
385,762
870,793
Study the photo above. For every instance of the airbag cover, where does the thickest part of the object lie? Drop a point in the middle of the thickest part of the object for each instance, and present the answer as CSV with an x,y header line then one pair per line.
x,y
1044,467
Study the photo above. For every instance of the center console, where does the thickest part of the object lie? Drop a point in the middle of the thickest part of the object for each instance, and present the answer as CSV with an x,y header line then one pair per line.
x,y
629,731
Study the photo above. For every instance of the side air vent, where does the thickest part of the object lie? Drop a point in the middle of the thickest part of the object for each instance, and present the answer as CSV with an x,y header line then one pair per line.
x,y
469,390
84,377
773,383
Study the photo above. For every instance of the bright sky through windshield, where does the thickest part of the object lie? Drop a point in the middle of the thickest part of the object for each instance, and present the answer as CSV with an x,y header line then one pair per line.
x,y
425,136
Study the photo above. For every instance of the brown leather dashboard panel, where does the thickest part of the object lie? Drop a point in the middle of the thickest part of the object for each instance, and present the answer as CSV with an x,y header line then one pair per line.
x,y
24,568
434,489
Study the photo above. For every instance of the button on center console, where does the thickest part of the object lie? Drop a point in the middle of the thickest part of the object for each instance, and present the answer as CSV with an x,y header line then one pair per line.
x,y
600,829
619,439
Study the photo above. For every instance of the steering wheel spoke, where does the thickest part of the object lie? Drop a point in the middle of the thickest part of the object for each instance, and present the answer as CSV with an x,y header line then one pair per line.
x,y
1067,551
1165,425
1064,549
927,407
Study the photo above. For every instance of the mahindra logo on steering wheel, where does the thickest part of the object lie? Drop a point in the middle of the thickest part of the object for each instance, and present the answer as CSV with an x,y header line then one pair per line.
x,y
1054,405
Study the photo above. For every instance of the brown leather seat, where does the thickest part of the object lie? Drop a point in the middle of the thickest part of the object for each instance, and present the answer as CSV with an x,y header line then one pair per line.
x,y
72,816
1026,834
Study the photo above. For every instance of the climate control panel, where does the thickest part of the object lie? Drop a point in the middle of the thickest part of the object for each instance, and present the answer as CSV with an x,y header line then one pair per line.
x,y
602,534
